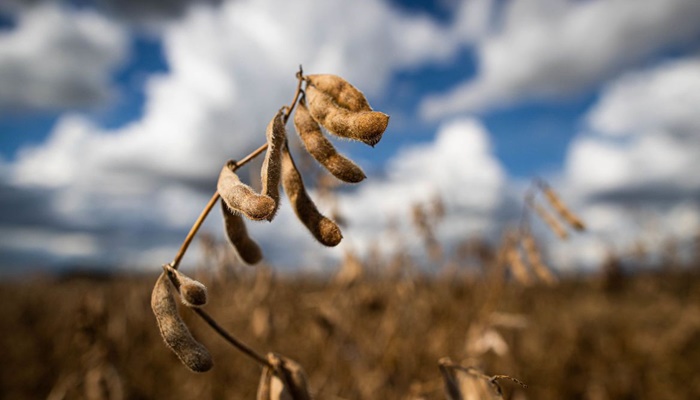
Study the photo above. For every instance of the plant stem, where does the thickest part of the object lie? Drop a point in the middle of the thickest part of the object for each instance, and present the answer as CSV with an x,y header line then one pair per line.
x,y
215,197
232,340
193,231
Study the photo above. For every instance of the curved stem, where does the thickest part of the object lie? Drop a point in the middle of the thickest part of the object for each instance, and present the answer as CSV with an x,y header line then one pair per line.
x,y
193,231
232,340
300,79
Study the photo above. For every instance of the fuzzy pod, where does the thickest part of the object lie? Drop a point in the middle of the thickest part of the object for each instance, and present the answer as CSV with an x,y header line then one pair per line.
x,y
322,149
549,219
517,266
247,249
192,292
288,379
322,228
241,198
341,91
532,254
264,387
276,136
365,126
177,337
449,378
273,386
561,209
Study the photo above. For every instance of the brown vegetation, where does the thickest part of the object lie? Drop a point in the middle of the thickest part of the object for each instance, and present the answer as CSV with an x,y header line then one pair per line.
x,y
379,338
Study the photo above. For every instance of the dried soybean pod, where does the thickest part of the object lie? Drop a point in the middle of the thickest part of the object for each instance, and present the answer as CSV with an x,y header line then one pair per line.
x,y
276,136
533,257
279,390
517,266
449,378
264,387
174,332
342,92
365,126
323,229
240,197
322,149
550,221
237,234
192,292
561,208
291,375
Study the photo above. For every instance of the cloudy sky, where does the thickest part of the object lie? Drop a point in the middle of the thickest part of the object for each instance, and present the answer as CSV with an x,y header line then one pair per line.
x,y
116,116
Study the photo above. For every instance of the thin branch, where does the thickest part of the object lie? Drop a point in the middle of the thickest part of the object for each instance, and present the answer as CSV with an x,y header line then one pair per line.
x,y
193,231
249,157
300,79
497,377
232,340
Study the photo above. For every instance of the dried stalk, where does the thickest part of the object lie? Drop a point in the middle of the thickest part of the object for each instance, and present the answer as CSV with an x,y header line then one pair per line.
x,y
232,340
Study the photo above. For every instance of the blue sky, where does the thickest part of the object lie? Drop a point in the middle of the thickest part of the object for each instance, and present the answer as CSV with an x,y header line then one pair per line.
x,y
116,117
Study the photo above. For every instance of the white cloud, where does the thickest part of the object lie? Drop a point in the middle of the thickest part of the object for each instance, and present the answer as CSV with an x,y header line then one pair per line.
x,y
665,98
139,187
642,135
636,163
230,69
554,48
68,144
653,162
473,20
57,58
458,166
41,241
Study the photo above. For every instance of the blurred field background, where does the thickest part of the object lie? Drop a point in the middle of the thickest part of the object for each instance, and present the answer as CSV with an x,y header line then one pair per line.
x,y
116,116
369,331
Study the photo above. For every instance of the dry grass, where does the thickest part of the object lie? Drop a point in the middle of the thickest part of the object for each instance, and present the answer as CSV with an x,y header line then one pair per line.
x,y
377,339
